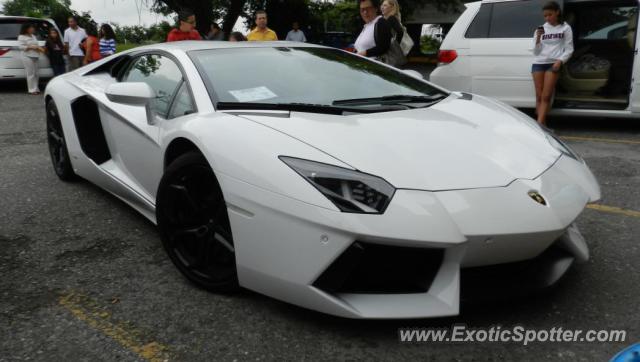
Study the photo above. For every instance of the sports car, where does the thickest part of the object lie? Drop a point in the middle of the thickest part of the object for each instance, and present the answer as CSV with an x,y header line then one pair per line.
x,y
323,178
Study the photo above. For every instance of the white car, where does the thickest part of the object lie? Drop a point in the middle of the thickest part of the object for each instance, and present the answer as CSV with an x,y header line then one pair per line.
x,y
320,177
489,51
11,66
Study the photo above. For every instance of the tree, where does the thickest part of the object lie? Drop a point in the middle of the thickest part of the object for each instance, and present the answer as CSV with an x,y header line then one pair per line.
x,y
58,10
204,10
340,16
281,12
158,32
131,34
138,34
208,11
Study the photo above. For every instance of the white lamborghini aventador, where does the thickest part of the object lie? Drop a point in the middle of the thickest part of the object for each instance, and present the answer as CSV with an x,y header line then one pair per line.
x,y
322,178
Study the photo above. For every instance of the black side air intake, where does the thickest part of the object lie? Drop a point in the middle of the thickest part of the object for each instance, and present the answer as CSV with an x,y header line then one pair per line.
x,y
89,127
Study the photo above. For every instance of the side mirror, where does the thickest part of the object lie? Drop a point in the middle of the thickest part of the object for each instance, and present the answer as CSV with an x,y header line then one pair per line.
x,y
413,73
133,94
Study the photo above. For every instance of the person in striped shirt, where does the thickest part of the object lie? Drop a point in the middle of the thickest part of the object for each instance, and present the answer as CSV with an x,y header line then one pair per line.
x,y
107,40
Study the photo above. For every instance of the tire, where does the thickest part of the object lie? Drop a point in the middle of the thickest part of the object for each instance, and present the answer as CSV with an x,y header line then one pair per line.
x,y
194,224
57,145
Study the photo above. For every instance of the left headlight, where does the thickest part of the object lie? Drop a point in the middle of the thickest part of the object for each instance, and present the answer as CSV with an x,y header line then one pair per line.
x,y
351,191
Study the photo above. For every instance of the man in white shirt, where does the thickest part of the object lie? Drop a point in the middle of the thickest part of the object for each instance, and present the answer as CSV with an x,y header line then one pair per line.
x,y
73,36
296,34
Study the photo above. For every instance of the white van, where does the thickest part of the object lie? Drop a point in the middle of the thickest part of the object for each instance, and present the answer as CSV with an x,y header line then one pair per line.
x,y
489,51
11,66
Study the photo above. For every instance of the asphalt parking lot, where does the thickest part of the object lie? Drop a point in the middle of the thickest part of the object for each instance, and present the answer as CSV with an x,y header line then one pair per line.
x,y
84,277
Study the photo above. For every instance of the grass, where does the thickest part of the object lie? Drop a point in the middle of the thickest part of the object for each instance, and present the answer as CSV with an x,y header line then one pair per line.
x,y
123,47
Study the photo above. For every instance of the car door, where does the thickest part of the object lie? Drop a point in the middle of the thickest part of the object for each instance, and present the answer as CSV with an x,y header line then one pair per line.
x,y
501,50
634,43
136,151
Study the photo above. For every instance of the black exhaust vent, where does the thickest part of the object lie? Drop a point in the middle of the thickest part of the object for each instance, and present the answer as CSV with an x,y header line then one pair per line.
x,y
381,269
89,128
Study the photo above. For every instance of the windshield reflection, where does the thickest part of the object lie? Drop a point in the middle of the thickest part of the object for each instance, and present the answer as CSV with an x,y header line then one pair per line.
x,y
307,75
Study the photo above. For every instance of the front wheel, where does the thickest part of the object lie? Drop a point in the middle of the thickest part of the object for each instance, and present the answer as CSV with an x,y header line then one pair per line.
x,y
194,224
58,145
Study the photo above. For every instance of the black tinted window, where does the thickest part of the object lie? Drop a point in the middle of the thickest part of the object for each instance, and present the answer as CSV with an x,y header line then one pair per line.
x,y
513,19
518,19
479,27
10,28
603,22
162,75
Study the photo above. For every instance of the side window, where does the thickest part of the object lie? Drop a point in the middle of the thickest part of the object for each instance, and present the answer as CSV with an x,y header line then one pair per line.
x,y
479,27
183,104
512,19
161,74
605,22
516,19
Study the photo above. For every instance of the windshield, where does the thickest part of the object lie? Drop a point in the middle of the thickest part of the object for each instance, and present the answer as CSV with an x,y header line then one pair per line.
x,y
300,75
10,28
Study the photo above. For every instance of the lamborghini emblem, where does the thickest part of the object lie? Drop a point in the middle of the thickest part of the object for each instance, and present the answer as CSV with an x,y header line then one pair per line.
x,y
537,197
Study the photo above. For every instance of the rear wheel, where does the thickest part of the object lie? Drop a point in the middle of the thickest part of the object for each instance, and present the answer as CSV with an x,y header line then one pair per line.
x,y
194,224
58,145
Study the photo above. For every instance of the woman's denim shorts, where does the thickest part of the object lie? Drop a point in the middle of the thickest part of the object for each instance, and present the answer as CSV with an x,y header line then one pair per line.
x,y
541,67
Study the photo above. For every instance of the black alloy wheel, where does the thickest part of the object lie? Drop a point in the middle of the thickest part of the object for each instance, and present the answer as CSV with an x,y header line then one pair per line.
x,y
194,224
58,145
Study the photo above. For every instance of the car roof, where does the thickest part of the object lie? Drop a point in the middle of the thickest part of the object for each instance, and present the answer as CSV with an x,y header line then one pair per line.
x,y
191,45
24,18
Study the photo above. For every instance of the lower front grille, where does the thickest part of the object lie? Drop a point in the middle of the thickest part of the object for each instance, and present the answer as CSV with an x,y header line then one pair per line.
x,y
381,269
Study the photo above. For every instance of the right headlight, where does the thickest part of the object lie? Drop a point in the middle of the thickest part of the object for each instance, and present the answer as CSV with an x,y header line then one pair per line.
x,y
351,191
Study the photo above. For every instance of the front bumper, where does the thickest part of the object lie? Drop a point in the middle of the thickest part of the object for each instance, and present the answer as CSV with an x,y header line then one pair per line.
x,y
284,246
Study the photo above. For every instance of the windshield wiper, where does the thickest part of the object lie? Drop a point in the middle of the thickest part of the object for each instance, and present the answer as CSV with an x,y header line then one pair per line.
x,y
301,107
393,99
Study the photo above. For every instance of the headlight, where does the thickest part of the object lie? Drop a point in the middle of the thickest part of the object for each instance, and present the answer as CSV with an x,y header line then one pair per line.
x,y
562,147
349,190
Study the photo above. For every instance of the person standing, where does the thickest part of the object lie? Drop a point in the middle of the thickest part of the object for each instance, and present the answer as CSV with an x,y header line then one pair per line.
x,y
31,51
236,36
73,36
553,47
296,34
215,33
186,28
375,38
91,46
55,52
390,10
107,40
261,32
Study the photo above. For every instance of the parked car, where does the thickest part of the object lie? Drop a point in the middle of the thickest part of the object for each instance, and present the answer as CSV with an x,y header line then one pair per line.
x,y
323,178
11,66
489,52
335,39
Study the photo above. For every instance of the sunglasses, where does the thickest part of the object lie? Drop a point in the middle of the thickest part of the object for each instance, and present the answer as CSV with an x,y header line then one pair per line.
x,y
366,9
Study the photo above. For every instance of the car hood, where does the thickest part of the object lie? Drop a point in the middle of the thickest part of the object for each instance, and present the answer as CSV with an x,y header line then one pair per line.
x,y
459,143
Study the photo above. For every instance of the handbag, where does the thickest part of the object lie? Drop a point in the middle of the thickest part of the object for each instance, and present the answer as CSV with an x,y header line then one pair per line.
x,y
395,57
406,44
